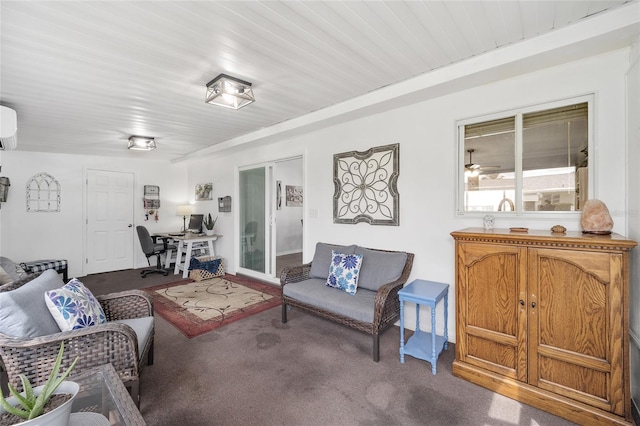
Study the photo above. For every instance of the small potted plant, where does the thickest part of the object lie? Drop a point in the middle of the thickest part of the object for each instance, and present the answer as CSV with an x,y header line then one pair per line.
x,y
35,405
209,223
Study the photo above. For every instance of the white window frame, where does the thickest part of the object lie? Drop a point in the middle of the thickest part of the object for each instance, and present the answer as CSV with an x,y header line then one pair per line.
x,y
518,114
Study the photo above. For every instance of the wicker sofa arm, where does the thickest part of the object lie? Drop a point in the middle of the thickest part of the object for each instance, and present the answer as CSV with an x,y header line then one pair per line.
x,y
294,274
19,282
113,343
387,304
126,305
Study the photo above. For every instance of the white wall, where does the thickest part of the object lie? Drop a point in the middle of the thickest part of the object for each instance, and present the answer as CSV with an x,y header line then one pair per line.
x,y
633,212
40,235
289,218
427,136
1,174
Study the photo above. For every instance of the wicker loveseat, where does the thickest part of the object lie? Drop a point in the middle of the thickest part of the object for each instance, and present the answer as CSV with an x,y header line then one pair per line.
x,y
125,341
373,308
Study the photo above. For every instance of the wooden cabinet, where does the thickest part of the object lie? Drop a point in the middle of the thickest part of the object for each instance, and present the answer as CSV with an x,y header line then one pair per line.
x,y
543,318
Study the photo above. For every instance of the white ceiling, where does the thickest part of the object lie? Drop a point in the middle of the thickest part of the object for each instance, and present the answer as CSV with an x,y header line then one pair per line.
x,y
85,75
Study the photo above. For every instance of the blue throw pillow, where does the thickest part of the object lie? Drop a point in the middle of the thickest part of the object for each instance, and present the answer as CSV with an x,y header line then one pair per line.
x,y
344,271
73,306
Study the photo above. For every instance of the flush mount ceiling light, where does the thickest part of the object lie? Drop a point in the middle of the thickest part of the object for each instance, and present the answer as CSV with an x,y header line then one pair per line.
x,y
142,143
229,92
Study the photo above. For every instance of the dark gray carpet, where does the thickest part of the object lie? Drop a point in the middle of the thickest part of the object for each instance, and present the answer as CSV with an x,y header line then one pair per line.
x,y
258,371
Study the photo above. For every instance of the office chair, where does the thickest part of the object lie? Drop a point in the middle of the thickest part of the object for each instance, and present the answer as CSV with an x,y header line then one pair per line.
x,y
249,236
151,248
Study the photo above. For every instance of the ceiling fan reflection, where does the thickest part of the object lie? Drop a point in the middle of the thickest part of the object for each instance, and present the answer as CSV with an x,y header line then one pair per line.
x,y
472,169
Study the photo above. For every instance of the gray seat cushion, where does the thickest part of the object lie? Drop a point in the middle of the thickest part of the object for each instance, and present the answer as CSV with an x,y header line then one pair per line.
x,y
322,258
314,292
379,268
23,311
143,328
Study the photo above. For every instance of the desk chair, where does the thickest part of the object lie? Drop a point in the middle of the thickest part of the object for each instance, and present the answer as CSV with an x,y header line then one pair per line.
x,y
249,236
151,248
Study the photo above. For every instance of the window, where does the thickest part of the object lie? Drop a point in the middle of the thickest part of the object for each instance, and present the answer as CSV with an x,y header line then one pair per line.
x,y
525,161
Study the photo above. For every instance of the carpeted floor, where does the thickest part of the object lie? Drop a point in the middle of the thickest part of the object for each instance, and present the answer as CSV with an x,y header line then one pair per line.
x,y
258,371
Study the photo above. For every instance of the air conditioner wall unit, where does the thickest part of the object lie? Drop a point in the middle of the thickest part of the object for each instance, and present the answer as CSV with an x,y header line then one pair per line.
x,y
8,128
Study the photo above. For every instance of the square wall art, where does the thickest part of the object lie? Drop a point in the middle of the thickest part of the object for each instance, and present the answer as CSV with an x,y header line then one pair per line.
x,y
366,186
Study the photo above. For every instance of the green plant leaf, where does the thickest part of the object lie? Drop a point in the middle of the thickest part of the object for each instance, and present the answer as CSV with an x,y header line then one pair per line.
x,y
29,397
23,414
28,390
208,222
34,406
24,401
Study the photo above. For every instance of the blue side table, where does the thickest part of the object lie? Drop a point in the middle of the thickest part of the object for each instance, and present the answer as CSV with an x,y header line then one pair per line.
x,y
424,345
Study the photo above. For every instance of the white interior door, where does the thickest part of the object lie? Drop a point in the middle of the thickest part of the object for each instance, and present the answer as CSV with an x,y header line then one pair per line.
x,y
109,221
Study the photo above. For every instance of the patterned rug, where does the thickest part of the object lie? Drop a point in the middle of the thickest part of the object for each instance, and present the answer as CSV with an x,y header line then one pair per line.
x,y
196,307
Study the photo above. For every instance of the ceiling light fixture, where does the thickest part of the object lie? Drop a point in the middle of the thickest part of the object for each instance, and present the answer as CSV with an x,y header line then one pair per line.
x,y
142,143
229,92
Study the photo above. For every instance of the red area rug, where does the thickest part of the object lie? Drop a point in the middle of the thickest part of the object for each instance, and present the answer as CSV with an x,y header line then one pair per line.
x,y
196,307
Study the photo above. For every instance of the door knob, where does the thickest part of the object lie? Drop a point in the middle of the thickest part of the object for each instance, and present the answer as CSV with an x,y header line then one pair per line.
x,y
533,304
130,225
522,302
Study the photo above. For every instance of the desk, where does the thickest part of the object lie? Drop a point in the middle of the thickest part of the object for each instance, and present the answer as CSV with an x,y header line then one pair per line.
x,y
102,391
185,245
426,346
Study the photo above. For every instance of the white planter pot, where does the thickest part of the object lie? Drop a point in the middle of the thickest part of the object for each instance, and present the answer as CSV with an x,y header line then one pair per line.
x,y
209,231
57,417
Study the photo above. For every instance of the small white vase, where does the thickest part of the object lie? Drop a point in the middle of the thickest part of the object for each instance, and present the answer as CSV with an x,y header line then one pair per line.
x,y
209,231
57,417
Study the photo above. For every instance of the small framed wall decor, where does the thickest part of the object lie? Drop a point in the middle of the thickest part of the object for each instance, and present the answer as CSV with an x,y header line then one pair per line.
x,y
204,191
43,193
366,186
294,196
224,204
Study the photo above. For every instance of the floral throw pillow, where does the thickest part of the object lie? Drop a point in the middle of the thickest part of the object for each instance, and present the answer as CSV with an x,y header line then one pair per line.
x,y
344,270
73,306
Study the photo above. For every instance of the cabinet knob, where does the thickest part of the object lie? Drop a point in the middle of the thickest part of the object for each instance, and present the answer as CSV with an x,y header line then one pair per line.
x,y
533,304
522,302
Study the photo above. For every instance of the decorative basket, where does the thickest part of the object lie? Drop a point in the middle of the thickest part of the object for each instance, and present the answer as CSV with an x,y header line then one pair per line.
x,y
206,267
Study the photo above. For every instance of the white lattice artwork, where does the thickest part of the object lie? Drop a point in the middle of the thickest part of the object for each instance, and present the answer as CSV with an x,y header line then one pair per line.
x,y
43,193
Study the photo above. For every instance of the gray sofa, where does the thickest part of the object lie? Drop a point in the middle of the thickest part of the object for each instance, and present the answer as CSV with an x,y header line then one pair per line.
x,y
373,308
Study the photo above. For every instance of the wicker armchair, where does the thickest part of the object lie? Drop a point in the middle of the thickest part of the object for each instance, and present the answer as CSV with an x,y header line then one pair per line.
x,y
386,309
113,343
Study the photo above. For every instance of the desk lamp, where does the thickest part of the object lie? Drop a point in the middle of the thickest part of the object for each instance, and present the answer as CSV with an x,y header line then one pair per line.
x,y
184,211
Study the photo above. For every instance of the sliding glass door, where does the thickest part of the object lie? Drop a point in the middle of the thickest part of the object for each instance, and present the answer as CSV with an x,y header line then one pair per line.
x,y
254,219
270,220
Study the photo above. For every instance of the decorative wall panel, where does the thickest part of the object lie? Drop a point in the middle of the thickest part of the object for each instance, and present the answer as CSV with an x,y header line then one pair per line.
x,y
366,186
43,193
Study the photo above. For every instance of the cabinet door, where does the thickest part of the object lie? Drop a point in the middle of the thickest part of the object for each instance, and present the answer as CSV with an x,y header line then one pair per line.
x,y
492,323
576,324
